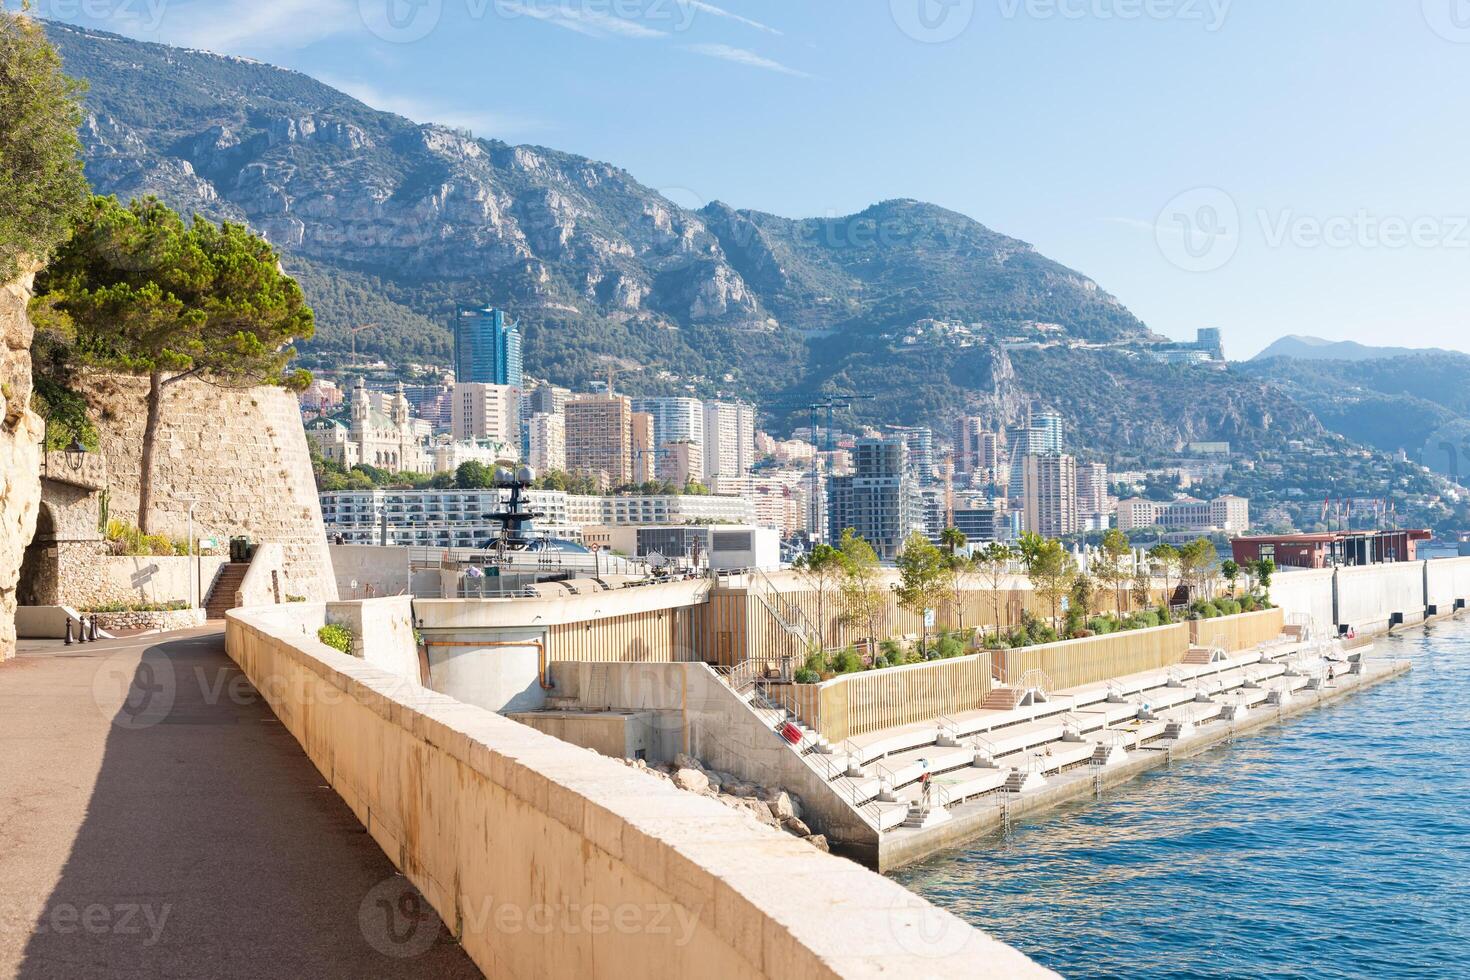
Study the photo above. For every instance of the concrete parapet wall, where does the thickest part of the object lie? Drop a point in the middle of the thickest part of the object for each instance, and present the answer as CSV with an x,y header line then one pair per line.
x,y
264,583
1446,581
366,571
382,631
1370,596
484,814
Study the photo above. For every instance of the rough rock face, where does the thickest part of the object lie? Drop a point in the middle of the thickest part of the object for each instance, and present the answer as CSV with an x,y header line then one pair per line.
x,y
20,450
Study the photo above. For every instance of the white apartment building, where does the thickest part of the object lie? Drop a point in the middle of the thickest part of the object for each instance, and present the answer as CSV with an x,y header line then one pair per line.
x,y
1228,513
729,438
486,411
449,455
676,419
780,500
548,442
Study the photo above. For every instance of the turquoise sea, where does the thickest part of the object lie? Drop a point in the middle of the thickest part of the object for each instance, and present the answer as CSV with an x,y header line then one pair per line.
x,y
1336,845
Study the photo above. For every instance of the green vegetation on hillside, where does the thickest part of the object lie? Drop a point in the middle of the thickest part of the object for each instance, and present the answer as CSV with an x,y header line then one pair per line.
x,y
41,182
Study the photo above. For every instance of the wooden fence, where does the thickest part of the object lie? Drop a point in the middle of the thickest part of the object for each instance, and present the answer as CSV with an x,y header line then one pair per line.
x,y
856,704
1237,632
1069,663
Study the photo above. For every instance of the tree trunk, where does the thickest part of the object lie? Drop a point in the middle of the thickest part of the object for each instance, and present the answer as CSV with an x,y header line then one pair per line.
x,y
150,443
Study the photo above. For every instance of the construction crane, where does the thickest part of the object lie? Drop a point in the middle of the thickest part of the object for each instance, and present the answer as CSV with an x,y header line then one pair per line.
x,y
353,332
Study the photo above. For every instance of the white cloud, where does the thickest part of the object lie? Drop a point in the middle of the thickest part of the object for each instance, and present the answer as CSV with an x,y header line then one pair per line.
x,y
741,56
591,23
710,8
480,122
244,24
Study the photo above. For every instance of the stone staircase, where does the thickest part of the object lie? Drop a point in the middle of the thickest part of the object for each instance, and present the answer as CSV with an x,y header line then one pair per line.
x,y
222,594
1201,656
1002,698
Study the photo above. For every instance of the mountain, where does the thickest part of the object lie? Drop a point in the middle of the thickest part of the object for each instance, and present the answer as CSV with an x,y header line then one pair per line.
x,y
394,223
1317,349
1418,402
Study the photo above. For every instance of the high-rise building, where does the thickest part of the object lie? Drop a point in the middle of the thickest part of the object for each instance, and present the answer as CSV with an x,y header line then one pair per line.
x,y
676,419
729,438
640,428
969,431
1092,490
878,500
486,411
599,437
487,347
920,442
1049,489
547,399
548,437
680,462
1051,431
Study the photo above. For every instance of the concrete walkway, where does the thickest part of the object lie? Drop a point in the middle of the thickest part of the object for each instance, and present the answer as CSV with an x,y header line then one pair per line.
x,y
157,821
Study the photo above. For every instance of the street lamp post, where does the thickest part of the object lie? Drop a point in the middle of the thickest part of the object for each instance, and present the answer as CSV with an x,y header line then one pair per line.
x,y
195,586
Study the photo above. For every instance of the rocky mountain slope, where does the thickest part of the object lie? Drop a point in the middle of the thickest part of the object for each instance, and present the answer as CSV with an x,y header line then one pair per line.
x,y
394,223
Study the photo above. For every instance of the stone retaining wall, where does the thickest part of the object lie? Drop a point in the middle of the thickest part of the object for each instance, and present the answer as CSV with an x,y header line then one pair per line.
x,y
241,453
164,619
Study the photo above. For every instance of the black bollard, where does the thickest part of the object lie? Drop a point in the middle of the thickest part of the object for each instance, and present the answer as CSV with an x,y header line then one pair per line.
x,y
67,641
94,628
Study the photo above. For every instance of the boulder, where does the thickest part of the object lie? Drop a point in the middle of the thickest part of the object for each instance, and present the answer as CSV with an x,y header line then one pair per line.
x,y
819,841
683,761
780,805
692,780
794,825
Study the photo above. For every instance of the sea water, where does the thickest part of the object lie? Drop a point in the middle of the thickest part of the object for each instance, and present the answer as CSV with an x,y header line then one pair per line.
x,y
1334,845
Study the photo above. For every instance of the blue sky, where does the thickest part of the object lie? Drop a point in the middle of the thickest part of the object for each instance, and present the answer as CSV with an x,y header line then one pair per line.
x,y
1265,166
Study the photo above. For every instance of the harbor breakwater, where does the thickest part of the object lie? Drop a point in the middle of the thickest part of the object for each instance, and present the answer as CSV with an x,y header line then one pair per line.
x,y
1372,599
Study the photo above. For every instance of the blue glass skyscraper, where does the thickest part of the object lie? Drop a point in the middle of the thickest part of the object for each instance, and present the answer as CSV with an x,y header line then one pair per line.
x,y
487,347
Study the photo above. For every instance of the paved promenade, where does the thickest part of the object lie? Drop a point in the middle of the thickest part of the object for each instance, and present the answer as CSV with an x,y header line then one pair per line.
x,y
157,821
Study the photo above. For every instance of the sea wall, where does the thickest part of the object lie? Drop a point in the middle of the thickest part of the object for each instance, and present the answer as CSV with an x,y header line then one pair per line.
x,y
21,431
483,814
1373,598
240,453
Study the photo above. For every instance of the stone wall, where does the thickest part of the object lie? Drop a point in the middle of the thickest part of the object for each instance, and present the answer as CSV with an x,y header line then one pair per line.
x,y
161,619
241,453
157,579
20,450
